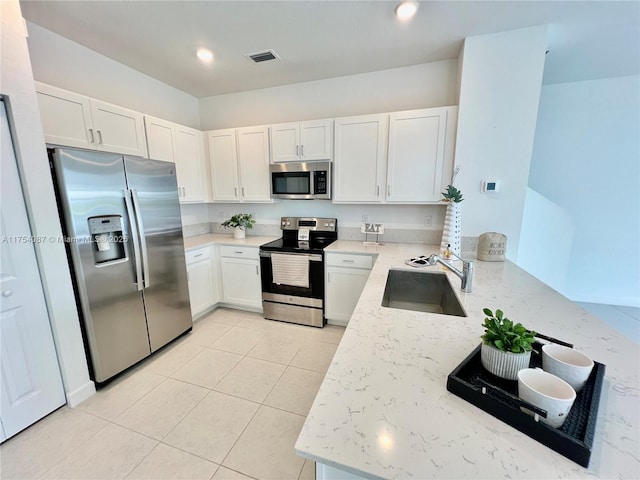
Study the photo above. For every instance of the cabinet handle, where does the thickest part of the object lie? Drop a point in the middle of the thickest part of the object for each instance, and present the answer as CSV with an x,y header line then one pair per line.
x,y
235,192
328,277
243,191
99,137
302,150
377,190
297,150
347,261
238,252
92,137
388,190
198,255
257,273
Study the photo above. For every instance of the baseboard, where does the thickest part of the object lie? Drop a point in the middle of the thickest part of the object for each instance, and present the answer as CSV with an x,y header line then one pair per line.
x,y
79,395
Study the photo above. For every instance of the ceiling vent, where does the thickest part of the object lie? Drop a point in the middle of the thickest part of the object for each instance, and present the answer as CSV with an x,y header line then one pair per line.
x,y
262,56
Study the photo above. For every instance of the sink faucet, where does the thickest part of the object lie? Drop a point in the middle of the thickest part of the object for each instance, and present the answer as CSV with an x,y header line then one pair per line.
x,y
466,275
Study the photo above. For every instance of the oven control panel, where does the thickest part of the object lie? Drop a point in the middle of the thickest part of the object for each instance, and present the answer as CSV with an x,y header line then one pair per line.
x,y
309,223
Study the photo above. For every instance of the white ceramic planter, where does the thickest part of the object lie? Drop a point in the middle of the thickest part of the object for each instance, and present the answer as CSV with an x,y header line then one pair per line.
x,y
503,364
238,232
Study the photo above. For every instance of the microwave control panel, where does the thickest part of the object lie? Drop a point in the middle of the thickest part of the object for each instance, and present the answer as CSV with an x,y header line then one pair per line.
x,y
320,182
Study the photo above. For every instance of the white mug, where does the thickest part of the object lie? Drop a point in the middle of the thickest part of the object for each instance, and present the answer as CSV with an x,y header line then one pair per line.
x,y
548,392
568,364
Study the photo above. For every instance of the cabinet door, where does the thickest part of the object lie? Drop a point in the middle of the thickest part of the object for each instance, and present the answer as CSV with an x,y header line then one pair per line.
x,y
360,161
66,117
253,158
161,141
285,142
118,129
315,140
343,289
241,282
201,286
224,165
416,155
189,156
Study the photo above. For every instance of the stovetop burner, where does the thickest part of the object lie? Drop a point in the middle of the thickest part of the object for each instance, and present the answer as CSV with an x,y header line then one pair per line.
x,y
321,232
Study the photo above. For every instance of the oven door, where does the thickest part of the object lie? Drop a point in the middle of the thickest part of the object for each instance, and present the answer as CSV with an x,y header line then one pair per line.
x,y
292,303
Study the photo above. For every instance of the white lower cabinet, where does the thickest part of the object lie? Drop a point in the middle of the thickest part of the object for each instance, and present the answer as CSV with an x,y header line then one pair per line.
x,y
240,268
345,278
203,285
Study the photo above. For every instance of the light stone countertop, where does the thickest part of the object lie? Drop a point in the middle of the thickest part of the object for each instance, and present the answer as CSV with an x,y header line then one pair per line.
x,y
198,241
383,410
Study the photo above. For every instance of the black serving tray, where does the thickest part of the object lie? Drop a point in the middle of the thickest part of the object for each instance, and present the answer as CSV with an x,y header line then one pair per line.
x,y
472,382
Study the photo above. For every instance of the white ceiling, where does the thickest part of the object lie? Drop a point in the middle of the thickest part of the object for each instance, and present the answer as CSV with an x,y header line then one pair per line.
x,y
323,39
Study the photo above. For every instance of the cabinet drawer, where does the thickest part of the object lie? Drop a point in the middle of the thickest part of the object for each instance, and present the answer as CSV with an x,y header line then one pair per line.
x,y
198,255
239,252
349,260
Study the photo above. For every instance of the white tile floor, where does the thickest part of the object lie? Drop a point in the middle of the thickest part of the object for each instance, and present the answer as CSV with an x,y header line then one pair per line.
x,y
225,402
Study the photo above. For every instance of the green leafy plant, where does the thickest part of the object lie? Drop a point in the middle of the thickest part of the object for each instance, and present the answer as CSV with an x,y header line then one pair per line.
x,y
502,333
452,195
244,220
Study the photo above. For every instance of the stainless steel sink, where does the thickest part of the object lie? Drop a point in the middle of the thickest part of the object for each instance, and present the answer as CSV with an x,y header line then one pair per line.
x,y
422,292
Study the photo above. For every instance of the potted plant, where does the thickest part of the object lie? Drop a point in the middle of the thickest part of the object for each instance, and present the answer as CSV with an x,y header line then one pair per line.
x,y
506,346
239,222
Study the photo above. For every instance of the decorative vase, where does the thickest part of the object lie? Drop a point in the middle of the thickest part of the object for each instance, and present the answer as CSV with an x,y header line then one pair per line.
x,y
452,231
238,232
503,364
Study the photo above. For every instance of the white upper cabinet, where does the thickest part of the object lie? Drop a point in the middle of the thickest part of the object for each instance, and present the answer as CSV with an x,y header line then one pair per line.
x,y
420,157
360,158
183,145
402,157
306,141
240,164
253,161
78,121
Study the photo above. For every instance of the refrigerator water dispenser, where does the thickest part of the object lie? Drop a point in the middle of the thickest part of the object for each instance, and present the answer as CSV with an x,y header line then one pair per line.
x,y
107,241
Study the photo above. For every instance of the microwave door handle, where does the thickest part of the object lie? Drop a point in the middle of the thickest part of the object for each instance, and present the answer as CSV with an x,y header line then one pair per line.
x,y
143,240
134,240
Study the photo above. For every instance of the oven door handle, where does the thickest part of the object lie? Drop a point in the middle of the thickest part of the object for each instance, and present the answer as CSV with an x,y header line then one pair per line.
x,y
312,257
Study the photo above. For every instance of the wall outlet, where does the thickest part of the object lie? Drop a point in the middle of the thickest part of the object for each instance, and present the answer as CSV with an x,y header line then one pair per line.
x,y
223,217
365,218
428,220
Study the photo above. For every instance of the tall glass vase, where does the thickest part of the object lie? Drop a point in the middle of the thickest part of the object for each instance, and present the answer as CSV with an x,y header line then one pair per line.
x,y
452,231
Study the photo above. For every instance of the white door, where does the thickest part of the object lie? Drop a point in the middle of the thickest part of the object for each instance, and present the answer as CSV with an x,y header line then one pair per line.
x,y
315,140
118,129
223,156
189,161
416,155
344,286
31,383
285,142
360,161
241,282
66,117
201,286
253,158
161,141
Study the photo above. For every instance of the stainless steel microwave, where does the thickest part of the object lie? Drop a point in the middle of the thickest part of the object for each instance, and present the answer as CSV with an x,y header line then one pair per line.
x,y
301,180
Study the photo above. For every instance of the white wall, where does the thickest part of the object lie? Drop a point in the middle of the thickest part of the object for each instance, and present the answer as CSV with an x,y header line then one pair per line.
x,y
586,160
499,94
69,65
16,82
417,86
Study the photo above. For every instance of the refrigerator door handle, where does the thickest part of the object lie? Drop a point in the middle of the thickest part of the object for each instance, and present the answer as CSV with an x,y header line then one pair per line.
x,y
134,240
143,240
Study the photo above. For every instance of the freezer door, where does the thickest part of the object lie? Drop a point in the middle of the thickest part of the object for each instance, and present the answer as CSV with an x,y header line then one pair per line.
x,y
166,296
91,187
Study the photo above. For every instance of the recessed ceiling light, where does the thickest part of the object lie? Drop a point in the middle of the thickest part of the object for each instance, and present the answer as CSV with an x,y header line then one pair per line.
x,y
406,10
205,55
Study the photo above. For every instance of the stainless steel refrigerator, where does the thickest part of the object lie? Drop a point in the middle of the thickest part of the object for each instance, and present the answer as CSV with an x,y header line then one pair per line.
x,y
122,219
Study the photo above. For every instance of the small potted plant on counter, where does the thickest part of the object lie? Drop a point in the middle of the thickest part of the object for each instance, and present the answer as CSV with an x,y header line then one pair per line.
x,y
239,222
506,346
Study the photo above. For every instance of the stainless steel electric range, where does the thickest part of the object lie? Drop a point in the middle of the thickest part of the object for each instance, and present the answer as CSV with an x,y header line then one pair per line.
x,y
293,270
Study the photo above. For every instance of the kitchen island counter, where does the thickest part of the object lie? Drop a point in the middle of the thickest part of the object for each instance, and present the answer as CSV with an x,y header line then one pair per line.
x,y
383,410
198,241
